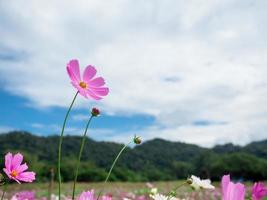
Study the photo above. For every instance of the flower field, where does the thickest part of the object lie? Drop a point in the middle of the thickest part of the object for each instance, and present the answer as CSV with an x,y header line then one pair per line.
x,y
16,170
119,190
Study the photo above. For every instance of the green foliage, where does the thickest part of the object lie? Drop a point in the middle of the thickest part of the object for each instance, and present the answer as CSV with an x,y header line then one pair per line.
x,y
151,161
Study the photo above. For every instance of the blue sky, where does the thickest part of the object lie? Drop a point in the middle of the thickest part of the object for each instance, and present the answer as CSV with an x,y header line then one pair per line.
x,y
192,71
16,114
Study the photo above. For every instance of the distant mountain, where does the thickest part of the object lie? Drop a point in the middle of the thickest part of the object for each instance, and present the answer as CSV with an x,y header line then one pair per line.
x,y
156,159
226,148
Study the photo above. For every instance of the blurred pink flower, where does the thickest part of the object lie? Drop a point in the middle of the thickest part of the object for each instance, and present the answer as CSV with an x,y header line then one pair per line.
x,y
106,197
90,195
142,197
258,191
15,170
88,86
23,195
232,191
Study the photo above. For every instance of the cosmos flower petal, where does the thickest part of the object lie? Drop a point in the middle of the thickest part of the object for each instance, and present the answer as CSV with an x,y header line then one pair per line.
x,y
89,195
73,70
89,73
232,191
16,161
22,168
97,82
8,161
100,91
7,172
225,182
106,197
83,93
197,183
16,180
259,191
26,176
240,191
93,95
24,195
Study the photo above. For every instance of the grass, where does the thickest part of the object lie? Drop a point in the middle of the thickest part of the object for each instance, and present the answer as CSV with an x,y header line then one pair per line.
x,y
114,188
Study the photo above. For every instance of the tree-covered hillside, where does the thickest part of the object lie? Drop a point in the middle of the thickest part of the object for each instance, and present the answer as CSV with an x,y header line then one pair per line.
x,y
153,160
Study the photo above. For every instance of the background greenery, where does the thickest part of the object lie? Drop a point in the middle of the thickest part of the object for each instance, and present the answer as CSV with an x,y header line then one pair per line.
x,y
153,160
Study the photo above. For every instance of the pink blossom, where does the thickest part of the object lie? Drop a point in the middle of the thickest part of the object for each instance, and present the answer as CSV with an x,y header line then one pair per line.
x,y
89,195
106,197
24,195
87,85
232,191
258,191
15,170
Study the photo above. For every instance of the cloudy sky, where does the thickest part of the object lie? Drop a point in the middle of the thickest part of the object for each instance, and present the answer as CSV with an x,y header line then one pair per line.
x,y
185,70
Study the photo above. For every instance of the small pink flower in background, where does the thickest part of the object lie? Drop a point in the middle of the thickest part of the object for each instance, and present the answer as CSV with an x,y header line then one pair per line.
x,y
258,191
24,195
88,86
232,191
142,197
15,170
89,195
106,197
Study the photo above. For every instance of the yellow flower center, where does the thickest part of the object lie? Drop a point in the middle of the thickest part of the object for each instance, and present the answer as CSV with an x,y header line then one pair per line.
x,y
14,173
83,85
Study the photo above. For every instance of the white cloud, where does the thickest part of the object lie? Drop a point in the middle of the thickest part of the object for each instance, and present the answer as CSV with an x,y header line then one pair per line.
x,y
179,61
80,117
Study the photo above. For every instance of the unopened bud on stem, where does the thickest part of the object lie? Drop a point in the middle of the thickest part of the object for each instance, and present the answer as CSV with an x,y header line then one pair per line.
x,y
95,112
189,181
137,140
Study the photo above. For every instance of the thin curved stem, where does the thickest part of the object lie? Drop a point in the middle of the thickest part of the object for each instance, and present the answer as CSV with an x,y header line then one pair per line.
x,y
112,166
179,186
173,192
60,146
80,155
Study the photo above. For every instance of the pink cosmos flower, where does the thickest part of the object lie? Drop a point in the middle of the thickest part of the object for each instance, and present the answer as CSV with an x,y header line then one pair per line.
x,y
24,195
89,195
15,170
106,197
232,191
87,85
258,191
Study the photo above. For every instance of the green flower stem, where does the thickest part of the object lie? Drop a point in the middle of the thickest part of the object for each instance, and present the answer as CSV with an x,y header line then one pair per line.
x,y
60,146
179,186
80,155
173,192
112,166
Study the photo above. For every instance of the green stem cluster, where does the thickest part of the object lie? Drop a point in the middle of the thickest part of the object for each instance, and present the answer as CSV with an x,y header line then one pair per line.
x,y
80,155
111,168
136,140
60,146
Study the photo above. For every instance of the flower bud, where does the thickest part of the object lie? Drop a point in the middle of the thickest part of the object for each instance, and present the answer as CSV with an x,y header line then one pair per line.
x,y
95,112
137,140
189,181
